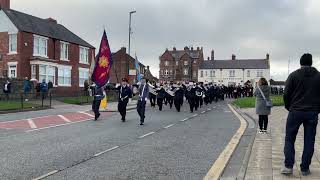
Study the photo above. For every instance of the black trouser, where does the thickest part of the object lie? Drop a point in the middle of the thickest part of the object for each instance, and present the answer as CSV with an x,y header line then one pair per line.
x,y
160,103
263,122
141,108
152,98
309,121
192,103
122,108
170,101
201,101
177,103
96,106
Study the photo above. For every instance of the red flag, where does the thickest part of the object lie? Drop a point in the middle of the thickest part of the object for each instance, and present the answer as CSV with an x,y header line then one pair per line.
x,y
102,68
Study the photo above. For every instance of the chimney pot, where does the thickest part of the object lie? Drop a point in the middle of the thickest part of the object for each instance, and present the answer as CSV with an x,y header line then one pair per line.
x,y
186,48
233,57
174,48
5,4
212,55
208,58
268,56
52,20
191,48
198,49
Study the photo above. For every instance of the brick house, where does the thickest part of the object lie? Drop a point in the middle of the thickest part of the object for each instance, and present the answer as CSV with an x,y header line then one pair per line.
x,y
42,49
180,65
124,66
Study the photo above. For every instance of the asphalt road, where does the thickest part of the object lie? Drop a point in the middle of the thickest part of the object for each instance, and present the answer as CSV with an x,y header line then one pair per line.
x,y
170,145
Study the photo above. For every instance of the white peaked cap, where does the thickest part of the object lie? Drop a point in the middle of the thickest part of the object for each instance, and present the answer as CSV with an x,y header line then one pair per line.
x,y
191,83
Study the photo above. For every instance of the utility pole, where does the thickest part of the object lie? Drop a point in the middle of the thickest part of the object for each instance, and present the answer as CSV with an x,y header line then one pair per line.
x,y
130,32
288,67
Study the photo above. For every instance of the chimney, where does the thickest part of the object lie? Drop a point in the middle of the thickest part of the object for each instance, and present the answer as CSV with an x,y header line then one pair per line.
x,y
4,4
233,57
174,49
212,55
191,48
148,68
267,56
198,49
52,20
186,48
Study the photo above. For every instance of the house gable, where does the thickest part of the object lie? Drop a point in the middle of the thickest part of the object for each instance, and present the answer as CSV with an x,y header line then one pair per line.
x,y
6,25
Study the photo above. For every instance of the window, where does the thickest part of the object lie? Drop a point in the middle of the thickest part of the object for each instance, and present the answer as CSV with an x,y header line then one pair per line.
x,y
64,76
161,72
166,63
12,43
51,74
195,62
42,73
206,73
248,73
40,46
84,55
166,72
83,76
232,73
177,63
64,51
201,73
33,71
185,71
185,63
259,73
194,74
214,74
170,72
12,71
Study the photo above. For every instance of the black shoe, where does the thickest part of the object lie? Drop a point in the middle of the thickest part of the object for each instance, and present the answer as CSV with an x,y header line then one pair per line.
x,y
141,123
305,173
123,120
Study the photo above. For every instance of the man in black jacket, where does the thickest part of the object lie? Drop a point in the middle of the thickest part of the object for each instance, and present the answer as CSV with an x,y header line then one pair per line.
x,y
124,94
302,100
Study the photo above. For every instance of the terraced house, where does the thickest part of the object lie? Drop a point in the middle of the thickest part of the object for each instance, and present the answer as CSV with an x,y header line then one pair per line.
x,y
42,49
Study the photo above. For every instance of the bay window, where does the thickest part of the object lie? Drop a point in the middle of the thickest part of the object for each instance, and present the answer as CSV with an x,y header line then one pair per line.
x,y
64,76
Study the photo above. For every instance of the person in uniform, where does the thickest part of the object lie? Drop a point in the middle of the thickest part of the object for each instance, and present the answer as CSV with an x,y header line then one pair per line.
x,y
169,96
124,94
152,95
160,97
98,95
178,96
191,94
143,97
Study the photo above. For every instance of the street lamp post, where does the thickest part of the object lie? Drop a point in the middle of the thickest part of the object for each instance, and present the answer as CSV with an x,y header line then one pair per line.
x,y
130,13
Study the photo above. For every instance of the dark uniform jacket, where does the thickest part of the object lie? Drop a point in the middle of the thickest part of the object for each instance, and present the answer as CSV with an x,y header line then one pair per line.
x,y
124,93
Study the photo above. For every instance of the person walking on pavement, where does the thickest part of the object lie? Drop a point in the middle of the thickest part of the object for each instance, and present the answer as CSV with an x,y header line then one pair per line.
x,y
262,94
124,94
26,88
143,97
98,95
43,88
302,100
7,89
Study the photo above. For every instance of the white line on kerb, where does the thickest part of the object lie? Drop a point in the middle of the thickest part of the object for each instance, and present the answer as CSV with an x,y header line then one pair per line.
x,y
169,126
86,113
184,119
64,118
146,135
56,125
98,154
32,124
46,175
203,112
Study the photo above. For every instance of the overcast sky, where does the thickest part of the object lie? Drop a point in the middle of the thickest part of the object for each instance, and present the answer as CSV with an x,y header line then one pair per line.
x,y
248,28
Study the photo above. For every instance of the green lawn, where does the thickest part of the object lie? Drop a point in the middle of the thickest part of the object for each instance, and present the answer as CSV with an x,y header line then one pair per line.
x,y
77,100
14,105
251,101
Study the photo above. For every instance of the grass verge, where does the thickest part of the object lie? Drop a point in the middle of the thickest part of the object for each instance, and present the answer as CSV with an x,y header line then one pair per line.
x,y
250,102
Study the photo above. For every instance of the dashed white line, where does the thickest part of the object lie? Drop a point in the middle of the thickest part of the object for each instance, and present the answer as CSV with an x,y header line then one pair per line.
x,y
100,153
227,111
56,125
195,115
64,118
148,134
184,119
203,112
32,124
46,175
209,109
86,113
168,126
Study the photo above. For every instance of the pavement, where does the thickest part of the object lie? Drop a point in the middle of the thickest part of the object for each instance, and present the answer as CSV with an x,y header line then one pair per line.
x,y
170,145
266,159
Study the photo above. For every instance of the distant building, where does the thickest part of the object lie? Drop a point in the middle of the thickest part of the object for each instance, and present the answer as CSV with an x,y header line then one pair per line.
x,y
180,65
234,71
124,67
42,49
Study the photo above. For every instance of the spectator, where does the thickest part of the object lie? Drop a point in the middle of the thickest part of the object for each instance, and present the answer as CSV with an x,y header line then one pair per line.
x,y
262,94
43,88
301,98
7,89
26,88
50,87
86,88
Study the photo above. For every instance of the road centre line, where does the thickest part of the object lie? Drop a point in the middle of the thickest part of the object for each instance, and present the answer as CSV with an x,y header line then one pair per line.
x,y
195,115
148,134
90,115
108,150
203,112
64,118
46,175
32,124
168,126
184,119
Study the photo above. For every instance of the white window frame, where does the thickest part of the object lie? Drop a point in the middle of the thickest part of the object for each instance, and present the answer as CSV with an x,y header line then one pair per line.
x,y
46,74
84,50
206,73
185,71
64,51
177,63
259,73
13,43
64,69
85,70
33,71
194,74
37,40
248,73
51,75
166,63
185,63
201,73
12,66
232,73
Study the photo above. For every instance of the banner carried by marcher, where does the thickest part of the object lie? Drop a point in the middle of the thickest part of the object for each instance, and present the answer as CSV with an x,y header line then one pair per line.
x,y
103,64
139,75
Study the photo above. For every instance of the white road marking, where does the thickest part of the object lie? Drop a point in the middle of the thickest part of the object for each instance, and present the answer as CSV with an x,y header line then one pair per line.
x,y
169,126
195,115
64,118
46,175
90,115
227,111
209,109
148,134
203,112
184,119
98,154
32,124
56,125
